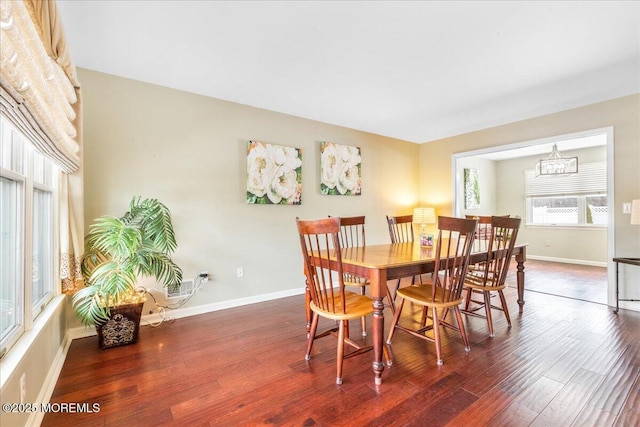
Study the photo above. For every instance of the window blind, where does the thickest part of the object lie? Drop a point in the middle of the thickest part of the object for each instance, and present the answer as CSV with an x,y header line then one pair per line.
x,y
37,95
590,179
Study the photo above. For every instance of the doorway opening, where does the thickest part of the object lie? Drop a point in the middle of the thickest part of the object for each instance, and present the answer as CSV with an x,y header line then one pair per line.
x,y
501,179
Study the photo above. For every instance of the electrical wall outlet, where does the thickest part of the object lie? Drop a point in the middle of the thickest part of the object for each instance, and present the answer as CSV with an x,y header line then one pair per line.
x,y
205,276
240,272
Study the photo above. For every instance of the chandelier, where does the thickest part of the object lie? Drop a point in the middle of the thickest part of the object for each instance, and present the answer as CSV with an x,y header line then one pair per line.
x,y
555,164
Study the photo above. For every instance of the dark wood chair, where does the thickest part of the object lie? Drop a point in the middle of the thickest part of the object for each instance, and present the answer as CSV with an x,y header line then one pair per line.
x,y
352,232
444,291
491,277
321,252
483,233
483,229
400,228
400,231
352,235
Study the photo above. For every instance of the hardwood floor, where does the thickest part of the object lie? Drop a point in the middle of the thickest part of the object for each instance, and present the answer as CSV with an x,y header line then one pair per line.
x,y
581,282
563,362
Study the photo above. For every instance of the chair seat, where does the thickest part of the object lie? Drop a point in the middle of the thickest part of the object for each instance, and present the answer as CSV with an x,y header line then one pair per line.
x,y
357,306
479,281
423,295
481,287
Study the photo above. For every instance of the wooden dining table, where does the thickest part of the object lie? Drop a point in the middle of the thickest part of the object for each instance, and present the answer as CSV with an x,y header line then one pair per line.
x,y
381,263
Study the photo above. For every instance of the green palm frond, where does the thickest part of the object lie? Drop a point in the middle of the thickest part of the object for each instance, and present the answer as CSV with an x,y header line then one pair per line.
x,y
112,278
88,306
113,237
160,266
155,218
91,259
119,250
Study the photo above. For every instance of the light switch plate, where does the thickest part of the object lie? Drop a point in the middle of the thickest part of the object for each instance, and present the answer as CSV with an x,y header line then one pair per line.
x,y
626,208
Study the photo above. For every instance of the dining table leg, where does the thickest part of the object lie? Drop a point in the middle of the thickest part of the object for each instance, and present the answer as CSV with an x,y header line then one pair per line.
x,y
377,292
521,257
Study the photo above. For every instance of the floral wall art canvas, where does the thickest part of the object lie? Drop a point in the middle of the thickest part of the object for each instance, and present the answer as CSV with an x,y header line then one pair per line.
x,y
274,174
340,169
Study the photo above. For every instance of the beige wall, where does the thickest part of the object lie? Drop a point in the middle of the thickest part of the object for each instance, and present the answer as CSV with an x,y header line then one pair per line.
x,y
622,113
487,179
189,151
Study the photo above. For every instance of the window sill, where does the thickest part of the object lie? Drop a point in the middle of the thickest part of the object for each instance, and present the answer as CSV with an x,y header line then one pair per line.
x,y
15,354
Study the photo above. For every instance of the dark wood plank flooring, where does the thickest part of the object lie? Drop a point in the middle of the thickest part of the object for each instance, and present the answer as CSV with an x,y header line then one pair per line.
x,y
587,283
563,362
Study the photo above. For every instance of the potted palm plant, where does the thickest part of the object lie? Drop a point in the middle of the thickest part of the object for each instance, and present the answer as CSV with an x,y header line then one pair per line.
x,y
118,251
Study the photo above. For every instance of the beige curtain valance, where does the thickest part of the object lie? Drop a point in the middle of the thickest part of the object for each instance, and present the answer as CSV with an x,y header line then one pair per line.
x,y
38,79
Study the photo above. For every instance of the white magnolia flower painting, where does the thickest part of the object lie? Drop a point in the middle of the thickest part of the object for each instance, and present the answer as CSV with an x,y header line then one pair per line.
x,y
274,174
340,169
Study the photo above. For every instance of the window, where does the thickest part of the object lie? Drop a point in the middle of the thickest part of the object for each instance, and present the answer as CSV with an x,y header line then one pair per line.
x,y
27,194
11,318
575,200
42,246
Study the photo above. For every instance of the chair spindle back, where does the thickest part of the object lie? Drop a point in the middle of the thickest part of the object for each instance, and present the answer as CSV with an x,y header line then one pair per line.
x,y
352,232
504,232
454,245
320,243
483,230
400,228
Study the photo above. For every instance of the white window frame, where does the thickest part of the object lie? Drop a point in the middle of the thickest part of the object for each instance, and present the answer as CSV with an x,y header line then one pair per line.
x,y
591,181
11,336
39,305
20,168
581,208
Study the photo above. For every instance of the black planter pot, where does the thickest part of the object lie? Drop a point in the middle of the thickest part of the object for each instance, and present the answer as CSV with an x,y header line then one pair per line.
x,y
122,328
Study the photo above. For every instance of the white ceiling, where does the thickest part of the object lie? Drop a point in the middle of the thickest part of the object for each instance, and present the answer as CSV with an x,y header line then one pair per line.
x,y
543,148
413,70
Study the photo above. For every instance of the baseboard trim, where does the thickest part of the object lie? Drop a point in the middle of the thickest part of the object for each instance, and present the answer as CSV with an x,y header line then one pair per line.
x,y
154,319
567,261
